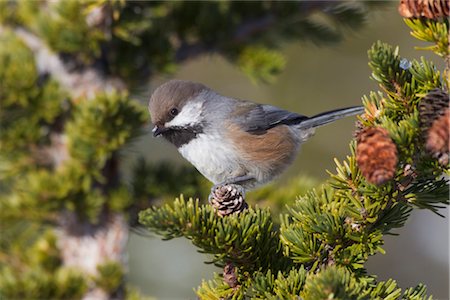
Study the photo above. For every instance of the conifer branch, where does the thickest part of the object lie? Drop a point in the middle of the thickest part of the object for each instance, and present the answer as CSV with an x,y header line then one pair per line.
x,y
247,239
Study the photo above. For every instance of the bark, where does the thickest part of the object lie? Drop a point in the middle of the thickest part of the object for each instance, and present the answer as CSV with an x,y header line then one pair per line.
x,y
85,246
80,83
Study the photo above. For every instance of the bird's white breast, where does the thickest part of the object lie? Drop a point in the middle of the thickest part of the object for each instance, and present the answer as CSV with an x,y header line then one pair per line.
x,y
212,157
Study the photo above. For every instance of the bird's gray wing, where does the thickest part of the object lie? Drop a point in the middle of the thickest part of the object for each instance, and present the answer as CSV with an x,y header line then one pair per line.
x,y
257,118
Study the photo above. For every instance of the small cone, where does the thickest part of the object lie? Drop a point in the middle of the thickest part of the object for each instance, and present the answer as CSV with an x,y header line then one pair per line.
x,y
431,107
229,275
376,155
437,142
228,199
430,9
359,127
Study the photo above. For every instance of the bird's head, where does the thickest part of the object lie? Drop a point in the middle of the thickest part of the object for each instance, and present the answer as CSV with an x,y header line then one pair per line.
x,y
176,108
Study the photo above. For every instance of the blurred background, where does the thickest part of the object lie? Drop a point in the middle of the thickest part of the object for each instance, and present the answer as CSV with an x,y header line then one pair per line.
x,y
316,79
78,162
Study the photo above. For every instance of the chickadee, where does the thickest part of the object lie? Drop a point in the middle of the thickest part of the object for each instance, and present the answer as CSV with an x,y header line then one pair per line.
x,y
232,141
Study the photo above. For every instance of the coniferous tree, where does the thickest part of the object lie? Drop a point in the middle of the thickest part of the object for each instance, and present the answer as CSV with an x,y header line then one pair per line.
x,y
66,114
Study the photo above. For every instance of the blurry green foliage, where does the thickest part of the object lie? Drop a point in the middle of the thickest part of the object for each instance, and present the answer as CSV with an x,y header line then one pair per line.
x,y
261,63
167,181
143,37
110,276
29,102
37,284
37,273
100,126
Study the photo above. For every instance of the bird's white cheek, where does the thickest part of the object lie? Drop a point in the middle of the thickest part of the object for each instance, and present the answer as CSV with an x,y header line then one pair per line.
x,y
189,115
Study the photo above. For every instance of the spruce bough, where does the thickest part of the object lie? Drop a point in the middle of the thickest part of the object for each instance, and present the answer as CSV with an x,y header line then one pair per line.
x,y
323,241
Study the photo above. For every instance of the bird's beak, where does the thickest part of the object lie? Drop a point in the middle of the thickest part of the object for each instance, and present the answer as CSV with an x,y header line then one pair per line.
x,y
157,130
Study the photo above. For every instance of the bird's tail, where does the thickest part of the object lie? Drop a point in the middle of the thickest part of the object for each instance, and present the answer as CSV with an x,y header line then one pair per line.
x,y
329,116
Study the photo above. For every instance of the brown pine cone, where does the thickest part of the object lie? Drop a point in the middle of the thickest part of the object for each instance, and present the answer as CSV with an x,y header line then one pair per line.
x,y
438,138
358,128
376,155
431,107
430,9
229,275
228,199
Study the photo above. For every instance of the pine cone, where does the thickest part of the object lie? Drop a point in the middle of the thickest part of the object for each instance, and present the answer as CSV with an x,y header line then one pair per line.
x,y
431,107
430,9
228,199
376,155
359,127
229,275
438,138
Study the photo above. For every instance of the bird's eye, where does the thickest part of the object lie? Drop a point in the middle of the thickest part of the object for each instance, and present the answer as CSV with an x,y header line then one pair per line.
x,y
174,111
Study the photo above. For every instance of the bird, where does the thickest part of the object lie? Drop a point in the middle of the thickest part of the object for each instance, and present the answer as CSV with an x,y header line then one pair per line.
x,y
228,140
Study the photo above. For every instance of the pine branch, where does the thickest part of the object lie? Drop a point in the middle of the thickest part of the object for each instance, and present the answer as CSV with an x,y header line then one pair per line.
x,y
247,239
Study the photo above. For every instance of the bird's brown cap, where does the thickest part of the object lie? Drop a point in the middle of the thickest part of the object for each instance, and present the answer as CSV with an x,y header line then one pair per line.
x,y
170,95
